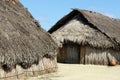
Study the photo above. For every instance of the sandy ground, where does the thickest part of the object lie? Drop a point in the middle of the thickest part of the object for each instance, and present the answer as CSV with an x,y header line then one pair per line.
x,y
81,72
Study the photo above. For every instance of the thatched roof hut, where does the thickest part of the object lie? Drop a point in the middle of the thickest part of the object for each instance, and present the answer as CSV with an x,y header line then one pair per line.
x,y
22,40
91,31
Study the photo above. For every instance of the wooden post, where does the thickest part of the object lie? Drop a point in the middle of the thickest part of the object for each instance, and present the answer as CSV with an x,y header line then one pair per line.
x,y
82,54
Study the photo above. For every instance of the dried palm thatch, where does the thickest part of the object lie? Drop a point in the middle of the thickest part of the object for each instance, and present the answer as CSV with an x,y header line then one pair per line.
x,y
87,28
22,40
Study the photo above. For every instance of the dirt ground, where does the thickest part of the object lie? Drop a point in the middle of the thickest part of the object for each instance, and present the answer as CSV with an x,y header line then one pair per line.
x,y
81,72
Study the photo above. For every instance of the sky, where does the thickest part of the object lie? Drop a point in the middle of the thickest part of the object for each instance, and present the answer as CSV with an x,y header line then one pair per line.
x,y
48,12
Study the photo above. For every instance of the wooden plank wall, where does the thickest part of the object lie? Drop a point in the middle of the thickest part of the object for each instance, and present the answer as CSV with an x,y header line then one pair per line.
x,y
61,56
73,54
100,56
67,51
45,65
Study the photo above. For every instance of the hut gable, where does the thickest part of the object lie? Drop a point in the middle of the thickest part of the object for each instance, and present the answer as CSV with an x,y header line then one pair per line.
x,y
87,27
22,40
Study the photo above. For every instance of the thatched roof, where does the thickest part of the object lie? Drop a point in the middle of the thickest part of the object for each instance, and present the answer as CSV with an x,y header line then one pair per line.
x,y
22,40
87,27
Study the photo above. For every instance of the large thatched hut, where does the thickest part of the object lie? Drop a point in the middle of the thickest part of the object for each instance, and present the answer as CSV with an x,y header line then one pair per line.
x,y
87,37
25,48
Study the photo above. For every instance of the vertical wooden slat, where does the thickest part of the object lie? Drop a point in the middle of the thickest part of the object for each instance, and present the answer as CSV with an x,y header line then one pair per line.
x,y
73,53
61,56
82,54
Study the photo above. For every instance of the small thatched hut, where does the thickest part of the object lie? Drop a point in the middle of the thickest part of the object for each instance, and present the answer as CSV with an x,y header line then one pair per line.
x,y
87,37
25,48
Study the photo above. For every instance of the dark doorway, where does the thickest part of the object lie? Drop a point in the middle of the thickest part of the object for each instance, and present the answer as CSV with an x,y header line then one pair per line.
x,y
72,53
